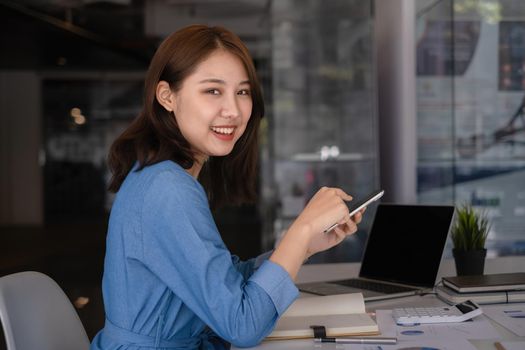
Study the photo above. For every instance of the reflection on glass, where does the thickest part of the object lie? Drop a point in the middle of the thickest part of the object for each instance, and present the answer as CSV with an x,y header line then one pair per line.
x,y
81,120
323,124
471,123
315,62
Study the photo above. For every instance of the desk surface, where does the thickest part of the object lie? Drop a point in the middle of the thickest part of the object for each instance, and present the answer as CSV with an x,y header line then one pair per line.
x,y
326,272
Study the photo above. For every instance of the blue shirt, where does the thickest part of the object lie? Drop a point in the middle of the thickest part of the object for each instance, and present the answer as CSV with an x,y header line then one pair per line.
x,y
170,282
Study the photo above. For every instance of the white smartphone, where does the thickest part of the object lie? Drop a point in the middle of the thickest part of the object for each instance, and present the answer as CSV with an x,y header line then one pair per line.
x,y
355,206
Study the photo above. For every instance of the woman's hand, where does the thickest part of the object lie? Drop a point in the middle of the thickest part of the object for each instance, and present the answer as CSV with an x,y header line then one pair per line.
x,y
323,241
324,209
306,236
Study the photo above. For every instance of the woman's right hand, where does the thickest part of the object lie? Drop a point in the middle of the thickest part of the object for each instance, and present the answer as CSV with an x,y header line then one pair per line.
x,y
325,208
306,236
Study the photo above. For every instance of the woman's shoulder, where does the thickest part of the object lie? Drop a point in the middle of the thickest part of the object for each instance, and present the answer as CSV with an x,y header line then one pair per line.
x,y
168,176
165,176
164,171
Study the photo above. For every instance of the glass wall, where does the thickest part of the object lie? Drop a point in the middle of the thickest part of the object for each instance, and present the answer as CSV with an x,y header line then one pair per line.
x,y
81,118
322,129
87,62
471,118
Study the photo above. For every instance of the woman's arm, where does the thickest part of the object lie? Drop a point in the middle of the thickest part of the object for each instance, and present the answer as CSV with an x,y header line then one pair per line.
x,y
182,247
246,268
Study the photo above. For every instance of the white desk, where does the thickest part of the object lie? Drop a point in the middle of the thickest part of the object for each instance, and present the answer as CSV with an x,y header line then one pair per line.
x,y
326,272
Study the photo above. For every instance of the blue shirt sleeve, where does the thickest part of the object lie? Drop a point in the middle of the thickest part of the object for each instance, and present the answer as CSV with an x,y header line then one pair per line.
x,y
182,247
246,268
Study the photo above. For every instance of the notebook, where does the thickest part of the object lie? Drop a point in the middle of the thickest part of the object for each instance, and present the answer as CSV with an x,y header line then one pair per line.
x,y
342,314
494,297
486,283
402,255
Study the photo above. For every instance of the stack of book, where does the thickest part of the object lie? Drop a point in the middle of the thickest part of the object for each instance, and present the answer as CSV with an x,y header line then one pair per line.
x,y
483,289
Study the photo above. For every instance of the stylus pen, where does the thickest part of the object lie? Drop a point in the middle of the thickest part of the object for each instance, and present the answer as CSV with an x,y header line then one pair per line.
x,y
373,340
331,228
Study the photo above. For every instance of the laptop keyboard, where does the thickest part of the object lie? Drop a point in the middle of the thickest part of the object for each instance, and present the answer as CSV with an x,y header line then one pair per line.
x,y
374,286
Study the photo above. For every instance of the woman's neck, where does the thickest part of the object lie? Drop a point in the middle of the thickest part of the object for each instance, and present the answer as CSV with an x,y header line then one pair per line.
x,y
197,167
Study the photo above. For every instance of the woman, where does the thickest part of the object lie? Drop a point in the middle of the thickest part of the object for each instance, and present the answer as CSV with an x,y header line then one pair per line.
x,y
169,281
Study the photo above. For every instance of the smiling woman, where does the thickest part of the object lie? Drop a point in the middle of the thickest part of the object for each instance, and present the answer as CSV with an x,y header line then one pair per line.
x,y
169,280
213,106
155,135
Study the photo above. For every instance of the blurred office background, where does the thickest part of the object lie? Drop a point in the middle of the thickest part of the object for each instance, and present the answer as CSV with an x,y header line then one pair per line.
x,y
423,98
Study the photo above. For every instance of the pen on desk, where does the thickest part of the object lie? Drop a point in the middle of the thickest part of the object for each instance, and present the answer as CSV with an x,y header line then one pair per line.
x,y
374,340
499,346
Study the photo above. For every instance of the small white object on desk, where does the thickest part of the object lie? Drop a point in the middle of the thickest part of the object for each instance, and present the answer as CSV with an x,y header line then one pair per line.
x,y
455,313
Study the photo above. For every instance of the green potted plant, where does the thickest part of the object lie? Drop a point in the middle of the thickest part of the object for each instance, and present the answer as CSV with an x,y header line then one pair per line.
x,y
469,234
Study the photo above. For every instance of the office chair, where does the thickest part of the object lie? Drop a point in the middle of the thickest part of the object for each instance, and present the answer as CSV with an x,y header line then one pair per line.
x,y
36,314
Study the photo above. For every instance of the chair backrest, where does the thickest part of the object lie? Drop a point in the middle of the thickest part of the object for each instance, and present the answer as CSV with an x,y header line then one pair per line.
x,y
36,314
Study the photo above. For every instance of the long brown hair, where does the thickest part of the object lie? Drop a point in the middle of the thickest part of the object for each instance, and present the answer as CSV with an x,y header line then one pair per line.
x,y
154,135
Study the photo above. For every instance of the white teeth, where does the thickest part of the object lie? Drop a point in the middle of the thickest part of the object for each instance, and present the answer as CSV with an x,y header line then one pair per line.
x,y
225,131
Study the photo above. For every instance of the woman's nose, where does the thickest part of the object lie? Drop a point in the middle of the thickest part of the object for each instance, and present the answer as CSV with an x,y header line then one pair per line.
x,y
230,108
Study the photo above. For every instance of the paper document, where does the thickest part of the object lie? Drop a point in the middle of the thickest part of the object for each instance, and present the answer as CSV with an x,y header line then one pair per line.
x,y
510,316
456,344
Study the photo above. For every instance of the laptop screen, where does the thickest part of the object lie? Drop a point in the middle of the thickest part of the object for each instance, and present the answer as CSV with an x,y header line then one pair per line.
x,y
406,243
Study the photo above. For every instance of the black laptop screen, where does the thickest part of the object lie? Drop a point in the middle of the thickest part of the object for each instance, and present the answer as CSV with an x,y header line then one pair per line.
x,y
406,243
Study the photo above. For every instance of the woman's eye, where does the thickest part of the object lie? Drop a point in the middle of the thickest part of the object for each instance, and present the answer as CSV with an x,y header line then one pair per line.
x,y
244,92
213,91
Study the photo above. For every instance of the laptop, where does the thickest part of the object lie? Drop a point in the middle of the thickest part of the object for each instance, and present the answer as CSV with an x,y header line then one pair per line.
x,y
402,255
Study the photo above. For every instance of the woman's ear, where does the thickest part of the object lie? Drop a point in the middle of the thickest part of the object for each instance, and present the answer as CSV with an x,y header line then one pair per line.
x,y
165,96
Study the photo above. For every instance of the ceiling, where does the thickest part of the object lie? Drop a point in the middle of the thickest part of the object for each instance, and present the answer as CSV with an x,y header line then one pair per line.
x,y
114,34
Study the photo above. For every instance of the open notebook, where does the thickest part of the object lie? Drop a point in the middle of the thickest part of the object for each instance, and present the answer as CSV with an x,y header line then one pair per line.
x,y
340,314
402,255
